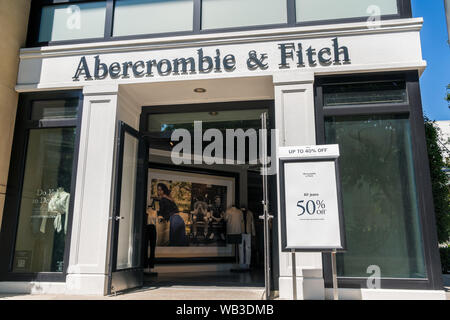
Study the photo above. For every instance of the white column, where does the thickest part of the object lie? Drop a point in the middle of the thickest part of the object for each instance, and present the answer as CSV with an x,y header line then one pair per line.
x,y
295,120
88,262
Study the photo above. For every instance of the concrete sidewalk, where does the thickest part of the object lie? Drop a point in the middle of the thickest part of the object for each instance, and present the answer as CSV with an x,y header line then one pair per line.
x,y
166,293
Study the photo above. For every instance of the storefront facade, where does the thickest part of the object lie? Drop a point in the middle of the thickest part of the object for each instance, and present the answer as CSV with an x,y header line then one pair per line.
x,y
322,76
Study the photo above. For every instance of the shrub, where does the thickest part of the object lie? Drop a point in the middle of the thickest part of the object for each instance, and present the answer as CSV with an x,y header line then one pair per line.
x,y
445,260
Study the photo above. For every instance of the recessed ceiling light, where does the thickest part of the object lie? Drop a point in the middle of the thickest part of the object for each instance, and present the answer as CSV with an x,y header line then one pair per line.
x,y
199,90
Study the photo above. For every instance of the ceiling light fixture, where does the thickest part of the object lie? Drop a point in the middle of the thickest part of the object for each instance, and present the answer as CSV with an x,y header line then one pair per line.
x,y
199,90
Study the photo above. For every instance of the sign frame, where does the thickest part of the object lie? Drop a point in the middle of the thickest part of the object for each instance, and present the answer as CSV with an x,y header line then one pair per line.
x,y
284,243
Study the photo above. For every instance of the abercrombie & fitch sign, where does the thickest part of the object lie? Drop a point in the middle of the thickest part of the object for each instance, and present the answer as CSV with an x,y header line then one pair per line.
x,y
292,55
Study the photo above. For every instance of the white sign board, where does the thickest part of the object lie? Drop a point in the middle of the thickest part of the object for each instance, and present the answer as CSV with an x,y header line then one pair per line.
x,y
311,212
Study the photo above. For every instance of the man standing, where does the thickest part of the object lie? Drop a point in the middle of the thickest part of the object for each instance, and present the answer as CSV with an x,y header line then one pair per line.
x,y
217,223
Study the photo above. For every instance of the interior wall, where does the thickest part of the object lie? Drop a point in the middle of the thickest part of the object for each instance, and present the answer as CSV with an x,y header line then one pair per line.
x,y
238,169
13,28
129,110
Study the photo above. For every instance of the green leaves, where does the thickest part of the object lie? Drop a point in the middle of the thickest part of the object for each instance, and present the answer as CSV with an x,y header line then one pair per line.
x,y
439,182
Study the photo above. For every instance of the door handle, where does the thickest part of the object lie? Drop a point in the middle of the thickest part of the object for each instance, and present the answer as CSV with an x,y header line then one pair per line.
x,y
119,218
269,216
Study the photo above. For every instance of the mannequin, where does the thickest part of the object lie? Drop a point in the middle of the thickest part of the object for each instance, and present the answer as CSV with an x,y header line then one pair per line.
x,y
246,247
236,226
234,219
58,206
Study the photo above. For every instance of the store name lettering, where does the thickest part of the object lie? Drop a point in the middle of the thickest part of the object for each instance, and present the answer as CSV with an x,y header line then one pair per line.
x,y
291,55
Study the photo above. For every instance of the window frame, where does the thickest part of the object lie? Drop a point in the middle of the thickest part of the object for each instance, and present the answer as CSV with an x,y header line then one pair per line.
x,y
11,213
404,8
413,110
147,111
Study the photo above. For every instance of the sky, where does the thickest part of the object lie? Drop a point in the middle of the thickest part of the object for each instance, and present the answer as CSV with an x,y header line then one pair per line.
x,y
436,52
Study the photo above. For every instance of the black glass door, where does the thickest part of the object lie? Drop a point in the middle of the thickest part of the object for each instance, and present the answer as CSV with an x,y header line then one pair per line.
x,y
127,220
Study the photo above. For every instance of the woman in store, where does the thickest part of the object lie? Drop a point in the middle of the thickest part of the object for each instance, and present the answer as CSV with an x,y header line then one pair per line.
x,y
168,212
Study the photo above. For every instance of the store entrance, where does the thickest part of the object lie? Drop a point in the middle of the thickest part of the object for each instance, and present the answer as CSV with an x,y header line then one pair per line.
x,y
204,194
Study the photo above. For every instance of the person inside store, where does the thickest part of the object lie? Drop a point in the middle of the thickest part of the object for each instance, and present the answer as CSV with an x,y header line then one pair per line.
x,y
200,218
150,236
217,222
168,213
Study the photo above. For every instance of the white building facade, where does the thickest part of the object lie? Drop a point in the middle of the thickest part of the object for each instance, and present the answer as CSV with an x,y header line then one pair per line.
x,y
101,81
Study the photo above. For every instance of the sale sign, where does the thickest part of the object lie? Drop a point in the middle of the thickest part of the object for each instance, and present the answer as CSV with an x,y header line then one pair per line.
x,y
310,199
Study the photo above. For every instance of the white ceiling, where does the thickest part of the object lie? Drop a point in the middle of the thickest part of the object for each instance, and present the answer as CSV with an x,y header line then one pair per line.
x,y
217,90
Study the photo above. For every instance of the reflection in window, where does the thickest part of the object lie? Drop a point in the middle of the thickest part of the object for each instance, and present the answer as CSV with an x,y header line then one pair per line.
x,y
73,21
44,205
128,247
379,196
133,17
161,127
364,93
316,10
54,109
238,13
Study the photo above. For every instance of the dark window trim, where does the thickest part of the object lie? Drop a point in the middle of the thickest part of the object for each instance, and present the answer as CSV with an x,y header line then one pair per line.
x,y
123,129
404,8
227,106
11,211
421,169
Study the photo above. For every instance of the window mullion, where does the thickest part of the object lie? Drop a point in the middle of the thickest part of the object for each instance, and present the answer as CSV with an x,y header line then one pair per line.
x,y
197,16
109,19
291,13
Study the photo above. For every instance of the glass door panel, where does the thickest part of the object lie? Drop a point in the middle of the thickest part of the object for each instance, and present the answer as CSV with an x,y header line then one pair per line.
x,y
125,268
44,207
128,247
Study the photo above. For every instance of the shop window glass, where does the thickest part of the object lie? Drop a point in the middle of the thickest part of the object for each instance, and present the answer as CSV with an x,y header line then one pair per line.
x,y
128,248
222,120
54,109
44,205
239,13
379,196
73,21
133,17
364,93
161,126
316,10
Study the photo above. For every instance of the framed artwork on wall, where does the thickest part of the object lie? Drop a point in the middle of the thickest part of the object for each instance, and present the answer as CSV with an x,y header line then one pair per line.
x,y
188,209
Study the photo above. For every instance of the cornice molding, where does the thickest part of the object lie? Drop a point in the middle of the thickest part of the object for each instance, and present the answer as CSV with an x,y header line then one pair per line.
x,y
218,39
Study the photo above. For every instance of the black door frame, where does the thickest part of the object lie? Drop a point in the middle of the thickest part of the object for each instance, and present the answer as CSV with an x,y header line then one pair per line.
x,y
131,277
413,110
11,210
230,106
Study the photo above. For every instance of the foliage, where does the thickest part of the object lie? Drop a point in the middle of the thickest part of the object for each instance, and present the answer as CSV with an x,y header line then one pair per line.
x,y
445,259
448,95
439,182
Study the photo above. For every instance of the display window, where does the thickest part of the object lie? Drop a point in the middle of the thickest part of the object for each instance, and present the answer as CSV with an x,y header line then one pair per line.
x,y
377,122
78,21
37,219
